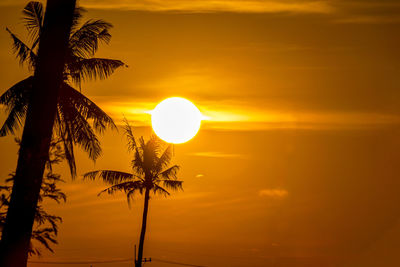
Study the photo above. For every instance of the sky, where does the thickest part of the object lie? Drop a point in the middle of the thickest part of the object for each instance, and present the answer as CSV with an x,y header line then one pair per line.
x,y
297,162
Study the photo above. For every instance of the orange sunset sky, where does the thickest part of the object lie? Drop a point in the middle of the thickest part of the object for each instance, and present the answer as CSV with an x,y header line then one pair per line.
x,y
297,163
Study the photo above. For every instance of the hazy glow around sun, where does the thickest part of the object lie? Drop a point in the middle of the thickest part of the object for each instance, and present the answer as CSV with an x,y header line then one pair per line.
x,y
176,120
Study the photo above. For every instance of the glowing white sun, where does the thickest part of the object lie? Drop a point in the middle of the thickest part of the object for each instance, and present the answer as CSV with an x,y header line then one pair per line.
x,y
176,120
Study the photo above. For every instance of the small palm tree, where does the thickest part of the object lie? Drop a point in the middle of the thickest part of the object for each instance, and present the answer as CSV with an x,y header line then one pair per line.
x,y
45,229
151,173
74,110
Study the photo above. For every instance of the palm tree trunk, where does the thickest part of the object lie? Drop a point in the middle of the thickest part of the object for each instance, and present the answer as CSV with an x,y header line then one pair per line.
x,y
143,231
37,133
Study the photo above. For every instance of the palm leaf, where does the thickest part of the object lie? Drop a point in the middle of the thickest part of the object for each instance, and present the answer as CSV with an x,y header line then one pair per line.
x,y
108,176
159,190
87,108
138,163
172,184
170,173
164,159
64,132
77,17
129,136
33,18
81,132
23,52
16,99
44,236
92,68
125,187
84,41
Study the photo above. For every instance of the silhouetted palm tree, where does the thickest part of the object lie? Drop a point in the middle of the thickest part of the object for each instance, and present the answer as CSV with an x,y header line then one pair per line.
x,y
151,173
54,68
74,110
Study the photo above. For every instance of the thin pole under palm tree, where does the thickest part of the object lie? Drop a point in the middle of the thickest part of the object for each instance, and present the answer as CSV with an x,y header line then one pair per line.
x,y
151,173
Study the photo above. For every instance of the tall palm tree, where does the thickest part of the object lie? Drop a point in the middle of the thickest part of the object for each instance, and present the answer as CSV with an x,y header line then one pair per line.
x,y
37,133
151,173
74,110
60,55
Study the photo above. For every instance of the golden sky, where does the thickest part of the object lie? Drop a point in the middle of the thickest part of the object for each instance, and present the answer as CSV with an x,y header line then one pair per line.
x,y
298,162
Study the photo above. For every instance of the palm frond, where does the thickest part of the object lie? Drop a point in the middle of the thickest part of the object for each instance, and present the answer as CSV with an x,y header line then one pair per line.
x,y
159,190
164,159
33,18
23,52
16,101
76,110
78,13
14,120
84,136
85,40
109,176
125,187
44,236
173,184
87,108
129,136
138,163
170,173
150,154
65,133
83,69
17,93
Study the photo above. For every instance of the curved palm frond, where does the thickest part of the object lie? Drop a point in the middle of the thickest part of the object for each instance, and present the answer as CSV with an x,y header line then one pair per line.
x,y
65,133
159,190
109,176
173,184
23,52
164,159
14,120
150,154
51,191
16,101
78,13
84,41
83,69
125,187
138,162
73,129
16,92
33,19
129,136
80,131
170,173
87,108
44,236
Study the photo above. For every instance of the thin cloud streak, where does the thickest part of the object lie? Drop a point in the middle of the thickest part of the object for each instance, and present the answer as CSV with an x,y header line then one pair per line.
x,y
213,154
273,193
202,6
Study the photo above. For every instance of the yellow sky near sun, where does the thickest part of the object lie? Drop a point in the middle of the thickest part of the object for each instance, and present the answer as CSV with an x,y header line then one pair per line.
x,y
242,116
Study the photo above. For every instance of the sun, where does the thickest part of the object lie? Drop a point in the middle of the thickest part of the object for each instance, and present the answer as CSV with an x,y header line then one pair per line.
x,y
176,120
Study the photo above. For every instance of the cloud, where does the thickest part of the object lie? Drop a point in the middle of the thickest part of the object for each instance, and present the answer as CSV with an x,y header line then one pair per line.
x,y
273,193
199,176
213,154
237,6
368,19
